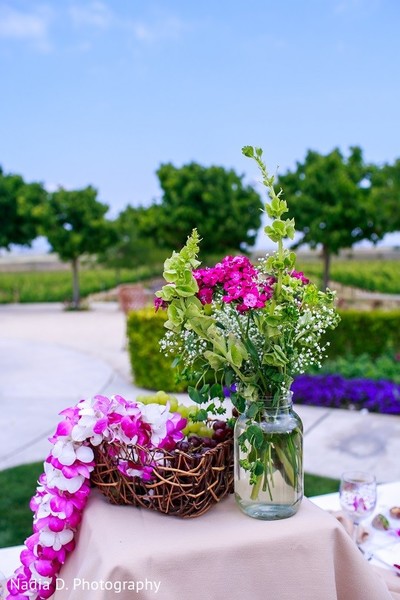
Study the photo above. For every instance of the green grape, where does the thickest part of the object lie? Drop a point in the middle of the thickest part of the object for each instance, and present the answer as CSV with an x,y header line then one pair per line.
x,y
142,399
161,398
173,404
205,431
184,410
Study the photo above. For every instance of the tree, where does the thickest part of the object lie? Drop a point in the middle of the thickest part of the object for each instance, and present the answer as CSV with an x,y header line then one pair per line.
x,y
76,226
330,199
132,247
226,213
385,191
21,206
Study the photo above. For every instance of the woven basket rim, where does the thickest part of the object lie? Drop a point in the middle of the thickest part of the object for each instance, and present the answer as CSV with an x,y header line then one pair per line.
x,y
184,484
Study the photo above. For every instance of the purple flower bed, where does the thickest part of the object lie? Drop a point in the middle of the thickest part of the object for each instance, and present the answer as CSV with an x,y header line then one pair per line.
x,y
334,391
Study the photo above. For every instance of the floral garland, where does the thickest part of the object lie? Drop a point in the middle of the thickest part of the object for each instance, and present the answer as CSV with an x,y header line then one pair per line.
x,y
64,487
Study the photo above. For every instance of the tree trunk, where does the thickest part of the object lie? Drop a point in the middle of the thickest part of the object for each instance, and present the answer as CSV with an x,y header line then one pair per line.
x,y
75,283
326,255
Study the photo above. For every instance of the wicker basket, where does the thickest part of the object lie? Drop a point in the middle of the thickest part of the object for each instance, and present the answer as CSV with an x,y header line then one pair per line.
x,y
183,485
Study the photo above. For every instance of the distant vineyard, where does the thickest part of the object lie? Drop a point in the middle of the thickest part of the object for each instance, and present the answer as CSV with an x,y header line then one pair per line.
x,y
373,275
56,286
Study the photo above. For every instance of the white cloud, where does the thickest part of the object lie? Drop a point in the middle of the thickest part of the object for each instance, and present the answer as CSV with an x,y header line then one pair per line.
x,y
168,27
98,15
95,14
32,27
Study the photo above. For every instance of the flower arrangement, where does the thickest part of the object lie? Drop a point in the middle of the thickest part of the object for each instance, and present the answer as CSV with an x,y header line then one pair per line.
x,y
64,486
249,328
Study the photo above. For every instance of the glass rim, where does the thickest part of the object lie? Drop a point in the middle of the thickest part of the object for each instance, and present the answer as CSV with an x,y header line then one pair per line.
x,y
358,477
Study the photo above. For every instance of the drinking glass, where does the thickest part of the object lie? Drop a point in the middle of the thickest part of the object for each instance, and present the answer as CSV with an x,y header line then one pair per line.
x,y
357,497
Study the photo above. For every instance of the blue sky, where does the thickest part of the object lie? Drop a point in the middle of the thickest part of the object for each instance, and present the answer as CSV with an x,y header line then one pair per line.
x,y
102,92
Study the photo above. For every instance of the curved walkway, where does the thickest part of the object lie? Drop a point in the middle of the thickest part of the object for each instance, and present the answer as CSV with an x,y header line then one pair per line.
x,y
50,358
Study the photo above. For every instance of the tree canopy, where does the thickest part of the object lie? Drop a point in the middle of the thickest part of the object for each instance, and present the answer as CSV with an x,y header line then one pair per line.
x,y
330,200
21,207
133,247
385,195
226,213
75,225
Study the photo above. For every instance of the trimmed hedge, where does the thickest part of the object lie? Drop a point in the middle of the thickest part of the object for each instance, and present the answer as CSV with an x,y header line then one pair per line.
x,y
365,332
359,332
150,368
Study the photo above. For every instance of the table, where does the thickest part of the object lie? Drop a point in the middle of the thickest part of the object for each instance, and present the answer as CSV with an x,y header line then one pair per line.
x,y
220,555
384,549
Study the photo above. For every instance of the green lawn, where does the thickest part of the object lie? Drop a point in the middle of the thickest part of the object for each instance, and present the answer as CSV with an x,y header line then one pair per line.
x,y
19,483
17,486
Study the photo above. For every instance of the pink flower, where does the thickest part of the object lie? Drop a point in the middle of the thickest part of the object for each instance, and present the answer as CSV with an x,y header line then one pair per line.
x,y
160,303
131,469
299,275
205,295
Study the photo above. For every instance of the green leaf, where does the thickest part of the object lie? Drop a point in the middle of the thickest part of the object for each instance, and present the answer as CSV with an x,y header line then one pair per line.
x,y
235,356
272,234
216,361
238,402
195,395
215,391
248,151
205,389
258,468
290,228
252,411
255,436
201,415
229,378
175,313
279,227
252,350
176,362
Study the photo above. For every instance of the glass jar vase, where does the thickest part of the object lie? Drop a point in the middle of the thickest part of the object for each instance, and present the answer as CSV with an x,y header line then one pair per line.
x,y
269,459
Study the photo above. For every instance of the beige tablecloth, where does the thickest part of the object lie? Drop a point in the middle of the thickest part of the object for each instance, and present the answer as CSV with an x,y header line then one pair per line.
x,y
223,555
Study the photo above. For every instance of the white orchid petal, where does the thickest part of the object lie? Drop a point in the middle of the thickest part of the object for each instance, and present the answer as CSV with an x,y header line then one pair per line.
x,y
66,454
96,439
84,454
43,511
74,484
57,544
46,538
51,473
79,433
65,536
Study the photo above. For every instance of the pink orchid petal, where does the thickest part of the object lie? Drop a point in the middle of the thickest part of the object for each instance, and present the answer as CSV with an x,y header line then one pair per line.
x,y
100,425
64,428
46,568
56,524
70,472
